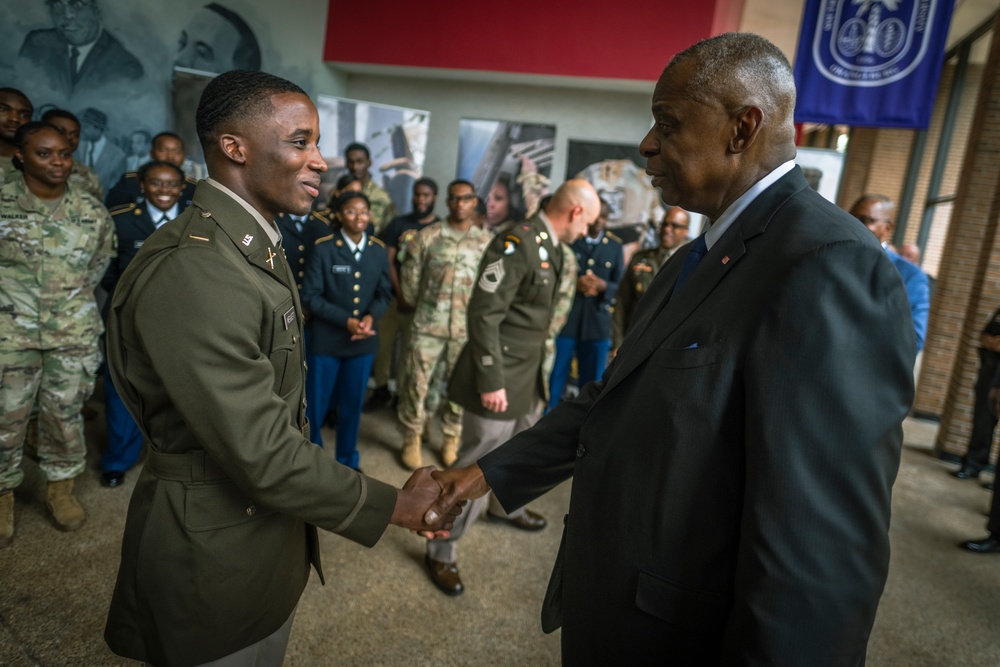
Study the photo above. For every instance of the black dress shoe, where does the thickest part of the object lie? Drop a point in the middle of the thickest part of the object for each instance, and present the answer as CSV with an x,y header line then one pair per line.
x,y
331,419
530,521
966,473
989,545
112,478
445,576
379,399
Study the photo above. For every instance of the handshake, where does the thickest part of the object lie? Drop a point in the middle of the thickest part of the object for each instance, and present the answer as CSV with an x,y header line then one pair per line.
x,y
431,499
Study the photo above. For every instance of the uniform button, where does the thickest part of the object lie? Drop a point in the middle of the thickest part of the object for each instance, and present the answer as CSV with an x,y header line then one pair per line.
x,y
293,340
357,299
302,260
301,274
355,312
357,288
590,262
357,274
581,451
251,510
607,264
301,248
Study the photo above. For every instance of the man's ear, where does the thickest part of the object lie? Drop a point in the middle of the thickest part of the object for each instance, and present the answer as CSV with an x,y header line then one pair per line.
x,y
747,125
233,147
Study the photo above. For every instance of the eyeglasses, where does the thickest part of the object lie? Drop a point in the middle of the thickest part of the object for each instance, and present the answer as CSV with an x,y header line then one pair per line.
x,y
461,197
157,183
674,225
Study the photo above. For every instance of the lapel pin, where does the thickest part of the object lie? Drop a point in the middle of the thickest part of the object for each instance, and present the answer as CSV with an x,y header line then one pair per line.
x,y
247,240
270,258
725,260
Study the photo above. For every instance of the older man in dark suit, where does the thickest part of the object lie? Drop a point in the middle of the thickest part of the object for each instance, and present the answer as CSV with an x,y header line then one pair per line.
x,y
732,470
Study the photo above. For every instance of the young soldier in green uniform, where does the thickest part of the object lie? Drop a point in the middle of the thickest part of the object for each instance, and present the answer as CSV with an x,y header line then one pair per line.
x,y
359,161
55,244
439,269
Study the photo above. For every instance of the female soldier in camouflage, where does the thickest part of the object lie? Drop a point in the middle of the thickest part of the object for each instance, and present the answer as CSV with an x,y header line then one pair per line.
x,y
55,243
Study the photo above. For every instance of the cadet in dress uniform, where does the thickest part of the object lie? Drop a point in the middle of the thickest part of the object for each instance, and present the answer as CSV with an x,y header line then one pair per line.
x,y
168,147
587,333
643,267
346,289
299,234
161,184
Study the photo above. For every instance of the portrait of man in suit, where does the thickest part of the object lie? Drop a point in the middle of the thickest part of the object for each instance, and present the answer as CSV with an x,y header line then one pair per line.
x,y
216,40
77,53
97,151
732,469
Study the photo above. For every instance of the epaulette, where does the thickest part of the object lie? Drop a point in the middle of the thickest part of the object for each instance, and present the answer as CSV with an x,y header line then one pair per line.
x,y
614,237
376,241
131,174
323,215
192,181
324,239
125,207
199,230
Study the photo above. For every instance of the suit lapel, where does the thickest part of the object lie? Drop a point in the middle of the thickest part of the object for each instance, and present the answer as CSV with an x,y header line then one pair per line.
x,y
664,315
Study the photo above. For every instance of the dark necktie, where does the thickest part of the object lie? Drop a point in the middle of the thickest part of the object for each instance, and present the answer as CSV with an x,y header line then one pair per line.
x,y
74,60
698,251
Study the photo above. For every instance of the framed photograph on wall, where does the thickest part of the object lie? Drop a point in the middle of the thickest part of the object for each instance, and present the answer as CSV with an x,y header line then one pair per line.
x,y
395,136
823,168
509,163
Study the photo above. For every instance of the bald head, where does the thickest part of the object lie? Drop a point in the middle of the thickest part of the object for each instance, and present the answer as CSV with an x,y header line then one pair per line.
x,y
573,206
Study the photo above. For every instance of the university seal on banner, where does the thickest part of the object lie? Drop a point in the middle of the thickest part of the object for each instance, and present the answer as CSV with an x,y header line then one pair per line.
x,y
871,43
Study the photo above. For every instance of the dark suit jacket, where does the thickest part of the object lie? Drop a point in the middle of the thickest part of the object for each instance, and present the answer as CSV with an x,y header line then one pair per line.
x,y
590,318
107,63
338,287
127,191
511,308
732,470
205,348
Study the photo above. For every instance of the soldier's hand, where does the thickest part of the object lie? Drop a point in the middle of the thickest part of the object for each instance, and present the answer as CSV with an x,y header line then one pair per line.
x,y
495,401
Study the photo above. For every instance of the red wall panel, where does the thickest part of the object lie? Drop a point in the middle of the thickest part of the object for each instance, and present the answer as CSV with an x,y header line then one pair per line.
x,y
629,39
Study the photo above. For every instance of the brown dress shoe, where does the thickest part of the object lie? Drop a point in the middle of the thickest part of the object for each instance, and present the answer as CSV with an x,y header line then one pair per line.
x,y
530,521
445,576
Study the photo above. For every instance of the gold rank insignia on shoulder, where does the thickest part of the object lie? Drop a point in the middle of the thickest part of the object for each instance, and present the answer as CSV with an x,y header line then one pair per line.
x,y
247,240
206,214
138,212
197,238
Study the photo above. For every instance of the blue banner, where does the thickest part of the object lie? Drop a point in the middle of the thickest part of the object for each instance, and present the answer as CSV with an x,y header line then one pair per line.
x,y
871,63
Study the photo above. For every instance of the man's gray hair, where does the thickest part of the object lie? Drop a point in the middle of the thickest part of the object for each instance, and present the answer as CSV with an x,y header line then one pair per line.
x,y
739,69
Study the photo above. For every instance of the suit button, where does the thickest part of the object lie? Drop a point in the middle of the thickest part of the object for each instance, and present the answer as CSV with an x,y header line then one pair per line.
x,y
251,510
357,274
581,451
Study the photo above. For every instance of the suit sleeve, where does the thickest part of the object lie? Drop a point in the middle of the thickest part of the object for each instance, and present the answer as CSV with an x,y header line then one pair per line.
x,y
223,385
499,279
821,452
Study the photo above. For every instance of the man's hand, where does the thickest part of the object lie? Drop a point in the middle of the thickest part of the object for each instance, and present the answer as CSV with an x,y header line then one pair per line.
x,y
457,486
418,500
495,401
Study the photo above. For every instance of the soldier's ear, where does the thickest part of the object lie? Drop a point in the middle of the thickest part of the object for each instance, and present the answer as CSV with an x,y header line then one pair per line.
x,y
234,147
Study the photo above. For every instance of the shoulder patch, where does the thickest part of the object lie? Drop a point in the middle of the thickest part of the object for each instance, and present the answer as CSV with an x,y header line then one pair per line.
x,y
324,239
493,274
613,237
376,241
125,207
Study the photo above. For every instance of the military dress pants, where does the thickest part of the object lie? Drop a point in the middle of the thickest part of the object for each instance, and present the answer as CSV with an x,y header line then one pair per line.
x,y
345,378
58,381
480,436
592,359
423,362
124,436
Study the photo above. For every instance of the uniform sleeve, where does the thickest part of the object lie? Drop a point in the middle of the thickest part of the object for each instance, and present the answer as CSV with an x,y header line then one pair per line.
x,y
497,284
821,450
314,289
106,249
118,194
383,292
204,348
411,268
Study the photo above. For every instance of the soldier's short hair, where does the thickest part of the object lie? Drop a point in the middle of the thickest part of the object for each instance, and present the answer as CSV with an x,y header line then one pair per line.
x,y
22,134
357,146
461,181
59,113
346,197
426,182
166,133
15,91
234,100
156,164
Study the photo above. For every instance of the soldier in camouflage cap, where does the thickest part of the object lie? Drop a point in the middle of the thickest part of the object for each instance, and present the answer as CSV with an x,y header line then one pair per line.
x,y
55,244
438,273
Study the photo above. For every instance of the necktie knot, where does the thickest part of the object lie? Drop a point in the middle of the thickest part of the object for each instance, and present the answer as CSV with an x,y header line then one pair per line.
x,y
696,253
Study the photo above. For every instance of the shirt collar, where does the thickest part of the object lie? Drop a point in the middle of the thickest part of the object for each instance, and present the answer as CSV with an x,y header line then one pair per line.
x,y
725,220
83,51
155,214
269,228
548,226
354,247
593,241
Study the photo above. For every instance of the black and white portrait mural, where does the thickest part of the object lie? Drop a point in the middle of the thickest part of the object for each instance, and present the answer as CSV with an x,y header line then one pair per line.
x,y
111,62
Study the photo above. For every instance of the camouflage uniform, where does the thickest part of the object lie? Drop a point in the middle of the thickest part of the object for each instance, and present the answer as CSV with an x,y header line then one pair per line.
x,y
382,208
641,270
83,177
438,273
50,263
7,170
